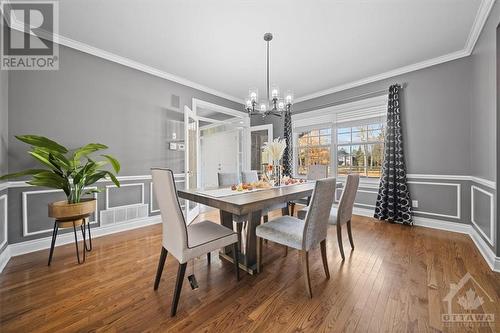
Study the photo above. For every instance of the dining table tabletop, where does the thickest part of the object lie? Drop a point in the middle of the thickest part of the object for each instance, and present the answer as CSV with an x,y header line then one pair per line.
x,y
245,209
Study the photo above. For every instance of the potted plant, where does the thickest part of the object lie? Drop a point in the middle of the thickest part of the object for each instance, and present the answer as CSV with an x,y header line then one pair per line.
x,y
70,171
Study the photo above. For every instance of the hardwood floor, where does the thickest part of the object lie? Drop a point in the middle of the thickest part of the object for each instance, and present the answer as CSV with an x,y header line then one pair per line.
x,y
395,280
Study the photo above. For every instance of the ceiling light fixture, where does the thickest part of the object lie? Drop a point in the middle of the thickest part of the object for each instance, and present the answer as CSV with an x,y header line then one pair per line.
x,y
274,105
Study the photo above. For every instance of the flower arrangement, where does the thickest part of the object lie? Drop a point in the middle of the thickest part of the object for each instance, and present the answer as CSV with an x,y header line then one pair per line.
x,y
275,149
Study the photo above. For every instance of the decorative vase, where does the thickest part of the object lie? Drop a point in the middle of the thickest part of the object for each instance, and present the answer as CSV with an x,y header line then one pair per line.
x,y
277,173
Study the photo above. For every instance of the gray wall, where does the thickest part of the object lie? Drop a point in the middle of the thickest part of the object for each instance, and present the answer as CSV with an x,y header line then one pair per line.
x,y
93,100
435,115
483,108
483,118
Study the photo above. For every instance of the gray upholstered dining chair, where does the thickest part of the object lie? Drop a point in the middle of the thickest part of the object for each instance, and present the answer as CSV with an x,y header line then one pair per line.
x,y
342,214
302,235
181,241
315,172
251,176
227,179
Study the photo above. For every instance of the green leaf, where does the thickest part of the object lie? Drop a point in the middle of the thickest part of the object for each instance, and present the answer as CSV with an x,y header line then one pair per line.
x,y
113,178
21,174
91,179
60,160
87,149
114,162
48,179
42,159
41,141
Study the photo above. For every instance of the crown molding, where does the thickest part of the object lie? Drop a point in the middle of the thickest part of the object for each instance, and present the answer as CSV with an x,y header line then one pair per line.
x,y
479,21
386,75
82,47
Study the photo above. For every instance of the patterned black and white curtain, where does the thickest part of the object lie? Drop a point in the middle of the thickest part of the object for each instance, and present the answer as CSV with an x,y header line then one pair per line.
x,y
393,201
288,154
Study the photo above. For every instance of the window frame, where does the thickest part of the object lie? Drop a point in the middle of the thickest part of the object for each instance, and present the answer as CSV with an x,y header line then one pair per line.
x,y
327,118
296,146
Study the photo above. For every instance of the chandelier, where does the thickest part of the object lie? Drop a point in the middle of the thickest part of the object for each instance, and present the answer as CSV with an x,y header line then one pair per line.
x,y
274,105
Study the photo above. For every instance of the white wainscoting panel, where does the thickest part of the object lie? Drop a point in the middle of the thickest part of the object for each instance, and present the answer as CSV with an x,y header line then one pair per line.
x,y
25,195
3,202
124,185
491,238
459,199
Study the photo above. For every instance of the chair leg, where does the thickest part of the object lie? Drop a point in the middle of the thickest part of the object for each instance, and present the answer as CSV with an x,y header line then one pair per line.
x,y
209,258
159,270
259,254
236,258
323,257
339,239
305,266
178,287
53,243
286,251
349,233
285,211
292,208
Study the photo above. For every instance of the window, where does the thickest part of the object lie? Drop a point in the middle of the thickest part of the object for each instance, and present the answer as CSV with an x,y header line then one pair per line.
x,y
360,149
313,148
347,137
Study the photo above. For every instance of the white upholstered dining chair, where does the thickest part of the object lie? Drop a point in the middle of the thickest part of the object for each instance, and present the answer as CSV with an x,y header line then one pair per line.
x,y
181,241
342,214
302,235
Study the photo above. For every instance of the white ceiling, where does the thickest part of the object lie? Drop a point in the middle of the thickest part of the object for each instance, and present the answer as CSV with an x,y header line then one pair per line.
x,y
317,44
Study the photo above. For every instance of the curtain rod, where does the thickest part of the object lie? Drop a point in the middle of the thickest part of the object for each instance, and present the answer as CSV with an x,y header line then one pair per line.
x,y
342,101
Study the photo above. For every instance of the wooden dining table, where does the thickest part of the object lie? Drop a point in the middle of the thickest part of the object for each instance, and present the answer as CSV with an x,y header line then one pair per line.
x,y
245,208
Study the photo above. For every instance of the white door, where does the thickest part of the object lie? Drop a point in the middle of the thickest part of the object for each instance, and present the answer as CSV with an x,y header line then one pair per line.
x,y
191,160
219,153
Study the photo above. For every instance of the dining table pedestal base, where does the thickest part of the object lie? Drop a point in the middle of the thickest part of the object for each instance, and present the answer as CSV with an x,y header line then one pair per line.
x,y
248,250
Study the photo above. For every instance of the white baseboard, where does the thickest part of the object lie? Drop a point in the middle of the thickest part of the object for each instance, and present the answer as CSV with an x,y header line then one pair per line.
x,y
4,258
17,249
488,254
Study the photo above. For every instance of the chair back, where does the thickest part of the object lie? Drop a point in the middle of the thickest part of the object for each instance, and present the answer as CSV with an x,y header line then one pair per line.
x,y
346,204
227,178
249,176
317,171
316,221
175,239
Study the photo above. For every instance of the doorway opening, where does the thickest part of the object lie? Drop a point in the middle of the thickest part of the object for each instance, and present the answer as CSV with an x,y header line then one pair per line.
x,y
259,136
224,142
